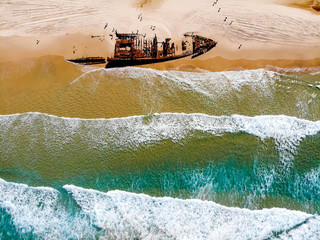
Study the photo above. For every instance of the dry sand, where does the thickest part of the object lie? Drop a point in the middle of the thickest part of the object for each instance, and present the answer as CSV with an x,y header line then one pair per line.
x,y
266,29
312,5
34,33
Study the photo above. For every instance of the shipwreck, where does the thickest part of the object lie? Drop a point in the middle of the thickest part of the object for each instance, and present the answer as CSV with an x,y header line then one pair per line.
x,y
133,49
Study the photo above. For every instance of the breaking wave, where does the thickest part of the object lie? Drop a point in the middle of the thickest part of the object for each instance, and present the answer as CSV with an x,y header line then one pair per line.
x,y
109,93
134,131
233,160
75,212
208,83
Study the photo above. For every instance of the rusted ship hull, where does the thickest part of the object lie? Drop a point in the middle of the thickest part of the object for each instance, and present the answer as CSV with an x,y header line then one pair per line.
x,y
121,62
132,49
203,51
88,60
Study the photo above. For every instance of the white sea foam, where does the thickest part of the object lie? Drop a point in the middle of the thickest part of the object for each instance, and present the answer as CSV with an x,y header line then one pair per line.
x,y
206,184
132,132
307,182
123,215
309,70
87,72
128,216
309,230
315,73
37,210
210,84
210,88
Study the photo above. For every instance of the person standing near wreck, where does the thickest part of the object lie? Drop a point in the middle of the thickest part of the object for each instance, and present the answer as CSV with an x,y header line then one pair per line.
x,y
173,50
154,49
184,45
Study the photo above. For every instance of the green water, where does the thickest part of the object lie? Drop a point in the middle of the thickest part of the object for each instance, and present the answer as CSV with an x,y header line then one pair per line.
x,y
232,169
270,160
134,91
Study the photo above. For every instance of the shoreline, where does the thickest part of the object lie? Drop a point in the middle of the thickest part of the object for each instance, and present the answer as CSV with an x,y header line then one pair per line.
x,y
34,75
274,33
53,86
212,64
220,64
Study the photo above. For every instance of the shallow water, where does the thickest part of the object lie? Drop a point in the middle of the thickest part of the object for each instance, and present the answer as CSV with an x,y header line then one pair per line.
x,y
50,85
248,162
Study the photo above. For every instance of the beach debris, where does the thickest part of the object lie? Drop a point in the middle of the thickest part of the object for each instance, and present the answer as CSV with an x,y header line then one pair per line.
x,y
95,36
38,41
240,46
225,19
219,9
318,86
153,27
111,36
105,26
231,22
113,29
310,85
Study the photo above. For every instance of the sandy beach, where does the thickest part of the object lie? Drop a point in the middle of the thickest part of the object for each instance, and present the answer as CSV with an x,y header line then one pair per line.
x,y
36,37
266,29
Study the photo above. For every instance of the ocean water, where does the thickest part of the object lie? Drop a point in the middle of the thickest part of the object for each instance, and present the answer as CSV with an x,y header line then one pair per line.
x,y
137,153
53,86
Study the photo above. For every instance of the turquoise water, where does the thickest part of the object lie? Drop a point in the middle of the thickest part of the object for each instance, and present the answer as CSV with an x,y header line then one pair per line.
x,y
160,176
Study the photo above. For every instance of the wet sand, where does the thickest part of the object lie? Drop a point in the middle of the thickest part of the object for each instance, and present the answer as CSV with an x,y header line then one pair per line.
x,y
218,64
51,85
